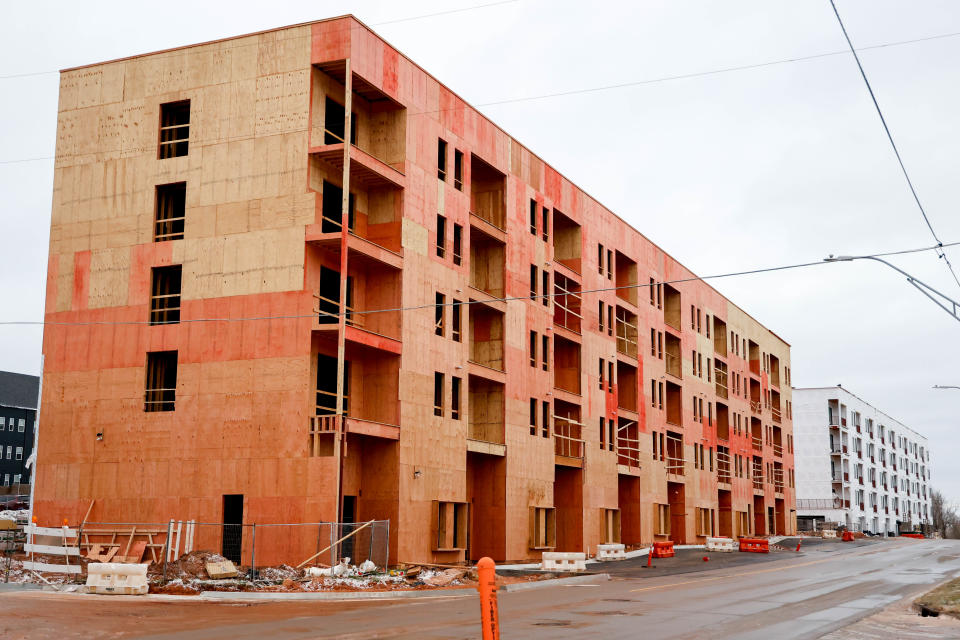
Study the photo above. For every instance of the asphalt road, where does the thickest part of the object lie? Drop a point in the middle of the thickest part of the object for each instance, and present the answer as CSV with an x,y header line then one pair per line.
x,y
823,589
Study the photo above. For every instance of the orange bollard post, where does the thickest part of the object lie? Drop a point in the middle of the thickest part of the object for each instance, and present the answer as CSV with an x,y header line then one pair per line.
x,y
487,586
798,544
650,558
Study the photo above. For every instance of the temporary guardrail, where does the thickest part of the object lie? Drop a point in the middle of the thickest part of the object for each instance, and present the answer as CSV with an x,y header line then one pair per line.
x,y
607,552
563,561
755,545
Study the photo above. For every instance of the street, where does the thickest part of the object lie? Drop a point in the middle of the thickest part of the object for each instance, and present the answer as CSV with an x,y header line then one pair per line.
x,y
823,589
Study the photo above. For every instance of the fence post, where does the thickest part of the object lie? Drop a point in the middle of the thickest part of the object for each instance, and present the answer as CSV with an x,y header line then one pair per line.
x,y
166,550
487,586
253,551
386,563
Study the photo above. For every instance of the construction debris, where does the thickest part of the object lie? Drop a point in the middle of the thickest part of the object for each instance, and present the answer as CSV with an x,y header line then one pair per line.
x,y
221,569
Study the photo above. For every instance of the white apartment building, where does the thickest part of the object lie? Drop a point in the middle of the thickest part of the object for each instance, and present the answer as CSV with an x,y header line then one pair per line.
x,y
857,466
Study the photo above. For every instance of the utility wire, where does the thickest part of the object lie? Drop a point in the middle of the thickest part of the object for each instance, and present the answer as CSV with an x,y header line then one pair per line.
x,y
287,40
544,96
916,198
484,300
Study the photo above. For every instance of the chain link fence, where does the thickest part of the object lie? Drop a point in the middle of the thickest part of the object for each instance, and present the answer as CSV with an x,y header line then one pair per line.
x,y
251,547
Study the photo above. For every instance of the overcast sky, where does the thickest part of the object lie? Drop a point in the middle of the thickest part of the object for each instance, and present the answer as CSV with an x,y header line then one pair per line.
x,y
775,165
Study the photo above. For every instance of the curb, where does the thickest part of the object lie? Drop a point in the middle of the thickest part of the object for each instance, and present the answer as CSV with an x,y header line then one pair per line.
x,y
228,596
556,582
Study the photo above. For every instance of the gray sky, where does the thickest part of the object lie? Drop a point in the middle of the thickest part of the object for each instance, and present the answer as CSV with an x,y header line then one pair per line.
x,y
776,165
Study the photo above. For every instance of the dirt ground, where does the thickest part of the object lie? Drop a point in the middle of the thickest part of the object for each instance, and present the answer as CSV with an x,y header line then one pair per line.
x,y
31,615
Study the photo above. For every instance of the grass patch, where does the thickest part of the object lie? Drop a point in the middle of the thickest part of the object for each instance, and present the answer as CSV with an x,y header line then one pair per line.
x,y
944,599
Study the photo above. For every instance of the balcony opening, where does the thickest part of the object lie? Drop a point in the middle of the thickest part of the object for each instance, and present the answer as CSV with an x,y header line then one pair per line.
x,y
174,129
332,203
326,400
487,256
170,211
774,370
628,443
486,414
756,401
486,336
370,286
775,405
753,351
377,121
674,404
370,383
676,494
566,365
675,462
566,303
626,386
487,497
725,514
756,433
628,497
672,309
334,118
778,442
488,188
568,498
328,298
723,421
720,378
719,336
626,278
165,294
161,381
566,241
567,432
627,332
674,361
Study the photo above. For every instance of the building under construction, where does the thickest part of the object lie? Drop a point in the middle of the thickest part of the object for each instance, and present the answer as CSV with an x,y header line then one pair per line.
x,y
294,278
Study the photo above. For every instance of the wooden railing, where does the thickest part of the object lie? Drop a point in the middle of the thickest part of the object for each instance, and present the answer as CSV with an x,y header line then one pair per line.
x,y
353,319
566,313
626,335
628,447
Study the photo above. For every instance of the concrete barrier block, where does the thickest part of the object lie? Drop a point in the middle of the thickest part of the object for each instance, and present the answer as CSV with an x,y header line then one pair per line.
x,y
607,552
829,533
114,578
563,561
721,544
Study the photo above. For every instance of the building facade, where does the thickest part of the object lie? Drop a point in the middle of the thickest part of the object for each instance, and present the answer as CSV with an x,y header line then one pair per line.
x,y
18,412
857,466
521,369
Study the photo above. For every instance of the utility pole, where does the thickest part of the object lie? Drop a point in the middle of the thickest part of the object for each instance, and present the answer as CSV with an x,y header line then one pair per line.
x,y
946,303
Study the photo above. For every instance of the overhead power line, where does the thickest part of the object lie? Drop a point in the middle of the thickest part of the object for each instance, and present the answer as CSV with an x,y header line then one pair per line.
x,y
942,254
558,94
421,307
257,44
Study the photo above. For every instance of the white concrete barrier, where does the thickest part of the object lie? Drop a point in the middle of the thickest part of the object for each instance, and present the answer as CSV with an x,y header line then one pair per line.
x,y
563,561
117,579
721,544
607,552
829,533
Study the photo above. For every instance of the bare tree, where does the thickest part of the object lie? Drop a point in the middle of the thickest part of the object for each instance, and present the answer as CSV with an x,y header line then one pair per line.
x,y
945,519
